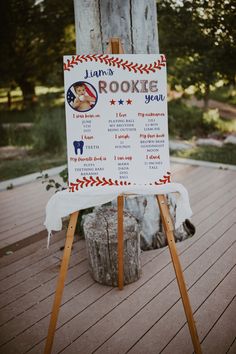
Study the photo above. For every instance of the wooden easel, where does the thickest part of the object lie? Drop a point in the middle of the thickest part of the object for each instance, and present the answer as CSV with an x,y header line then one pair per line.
x,y
115,47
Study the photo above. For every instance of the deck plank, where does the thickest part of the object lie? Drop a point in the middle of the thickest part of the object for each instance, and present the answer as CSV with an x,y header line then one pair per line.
x,y
39,279
223,332
137,323
198,293
100,308
207,313
22,213
29,250
34,253
232,347
210,196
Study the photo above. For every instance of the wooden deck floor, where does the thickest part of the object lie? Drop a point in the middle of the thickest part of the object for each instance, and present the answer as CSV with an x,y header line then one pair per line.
x,y
22,212
147,316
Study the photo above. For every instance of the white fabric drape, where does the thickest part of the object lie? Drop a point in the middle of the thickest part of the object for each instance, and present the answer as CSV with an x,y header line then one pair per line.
x,y
64,203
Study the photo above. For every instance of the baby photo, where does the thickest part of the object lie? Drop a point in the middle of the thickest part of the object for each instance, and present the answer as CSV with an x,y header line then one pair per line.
x,y
82,96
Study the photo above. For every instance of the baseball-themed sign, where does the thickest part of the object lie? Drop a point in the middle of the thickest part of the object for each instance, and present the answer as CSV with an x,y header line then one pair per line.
x,y
116,118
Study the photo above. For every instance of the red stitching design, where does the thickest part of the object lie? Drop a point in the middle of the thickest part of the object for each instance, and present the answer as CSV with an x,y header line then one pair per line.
x,y
97,181
164,180
118,62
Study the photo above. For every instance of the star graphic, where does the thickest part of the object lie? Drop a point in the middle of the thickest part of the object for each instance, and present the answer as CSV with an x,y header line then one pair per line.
x,y
112,102
129,101
121,102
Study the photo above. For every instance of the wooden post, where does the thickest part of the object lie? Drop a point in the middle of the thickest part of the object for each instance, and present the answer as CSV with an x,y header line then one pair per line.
x,y
133,21
168,226
115,47
60,282
120,232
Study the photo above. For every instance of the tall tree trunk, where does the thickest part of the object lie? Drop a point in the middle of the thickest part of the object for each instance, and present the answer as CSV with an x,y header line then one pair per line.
x,y
9,99
206,97
28,91
134,21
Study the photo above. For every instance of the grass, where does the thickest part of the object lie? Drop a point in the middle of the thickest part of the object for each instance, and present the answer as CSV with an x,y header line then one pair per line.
x,y
18,116
16,135
30,164
186,122
225,154
41,92
46,98
47,133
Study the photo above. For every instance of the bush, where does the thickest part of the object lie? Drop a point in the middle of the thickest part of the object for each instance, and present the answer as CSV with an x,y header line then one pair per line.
x,y
49,133
186,122
211,118
224,94
16,135
225,154
3,136
18,115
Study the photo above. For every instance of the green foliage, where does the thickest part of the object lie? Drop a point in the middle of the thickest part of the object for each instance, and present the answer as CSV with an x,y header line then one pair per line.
x,y
32,163
224,94
34,34
199,40
48,118
17,112
186,122
51,183
211,118
49,131
3,136
64,175
18,28
15,135
225,154
18,116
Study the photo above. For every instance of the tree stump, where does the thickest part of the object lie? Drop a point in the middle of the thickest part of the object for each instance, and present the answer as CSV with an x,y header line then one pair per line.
x,y
100,230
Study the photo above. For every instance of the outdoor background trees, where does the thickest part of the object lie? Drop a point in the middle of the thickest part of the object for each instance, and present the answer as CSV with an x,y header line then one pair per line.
x,y
199,38
34,36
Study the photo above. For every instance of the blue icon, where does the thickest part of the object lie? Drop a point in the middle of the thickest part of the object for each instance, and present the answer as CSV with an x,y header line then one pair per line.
x,y
78,145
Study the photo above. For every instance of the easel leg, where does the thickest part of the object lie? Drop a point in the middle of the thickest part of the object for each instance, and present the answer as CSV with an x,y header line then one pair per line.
x,y
115,47
60,282
120,207
168,226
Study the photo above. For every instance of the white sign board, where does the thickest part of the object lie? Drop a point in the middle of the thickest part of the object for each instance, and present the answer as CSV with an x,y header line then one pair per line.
x,y
116,118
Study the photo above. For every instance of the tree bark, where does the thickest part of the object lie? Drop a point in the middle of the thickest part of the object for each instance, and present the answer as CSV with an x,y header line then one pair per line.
x,y
9,99
28,91
134,21
206,97
100,230
87,27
